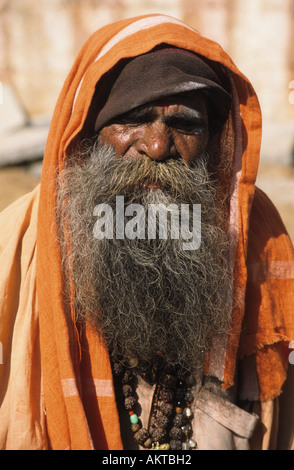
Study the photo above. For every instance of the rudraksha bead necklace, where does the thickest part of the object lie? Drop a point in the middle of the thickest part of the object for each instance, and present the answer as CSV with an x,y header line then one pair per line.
x,y
169,426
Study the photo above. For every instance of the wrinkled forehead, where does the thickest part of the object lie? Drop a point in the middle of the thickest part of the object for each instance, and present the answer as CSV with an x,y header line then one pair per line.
x,y
191,100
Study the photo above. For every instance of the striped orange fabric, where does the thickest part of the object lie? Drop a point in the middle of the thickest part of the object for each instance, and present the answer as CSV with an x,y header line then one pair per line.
x,y
78,392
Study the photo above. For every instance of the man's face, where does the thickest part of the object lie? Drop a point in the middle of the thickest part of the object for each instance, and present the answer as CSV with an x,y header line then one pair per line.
x,y
176,127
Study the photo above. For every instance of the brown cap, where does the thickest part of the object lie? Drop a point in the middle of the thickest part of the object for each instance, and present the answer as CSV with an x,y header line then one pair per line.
x,y
159,74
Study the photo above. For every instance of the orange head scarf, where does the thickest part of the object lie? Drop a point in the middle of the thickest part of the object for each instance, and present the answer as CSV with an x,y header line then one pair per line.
x,y
78,391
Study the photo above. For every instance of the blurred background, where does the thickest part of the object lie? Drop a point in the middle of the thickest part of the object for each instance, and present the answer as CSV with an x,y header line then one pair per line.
x,y
39,40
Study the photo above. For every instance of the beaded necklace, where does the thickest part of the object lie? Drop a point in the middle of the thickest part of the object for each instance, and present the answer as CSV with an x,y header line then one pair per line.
x,y
169,426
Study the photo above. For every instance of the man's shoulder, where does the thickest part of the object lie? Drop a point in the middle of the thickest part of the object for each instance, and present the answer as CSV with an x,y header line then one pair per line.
x,y
264,213
268,237
265,219
19,217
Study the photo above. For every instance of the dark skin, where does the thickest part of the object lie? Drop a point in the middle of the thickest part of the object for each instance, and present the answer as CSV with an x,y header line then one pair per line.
x,y
176,127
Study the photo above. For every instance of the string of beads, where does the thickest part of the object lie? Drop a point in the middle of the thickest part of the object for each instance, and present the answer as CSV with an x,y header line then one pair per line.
x,y
169,426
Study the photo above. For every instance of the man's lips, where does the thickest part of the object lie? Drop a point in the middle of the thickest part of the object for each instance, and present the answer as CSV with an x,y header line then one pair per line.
x,y
150,185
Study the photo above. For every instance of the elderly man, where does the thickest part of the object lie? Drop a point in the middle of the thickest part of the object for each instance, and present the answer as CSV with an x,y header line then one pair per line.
x,y
147,286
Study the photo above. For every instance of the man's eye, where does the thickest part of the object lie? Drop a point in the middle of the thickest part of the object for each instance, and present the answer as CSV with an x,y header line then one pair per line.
x,y
135,118
130,122
123,120
191,128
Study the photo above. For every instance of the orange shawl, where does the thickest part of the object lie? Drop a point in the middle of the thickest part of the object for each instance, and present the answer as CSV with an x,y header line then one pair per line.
x,y
79,398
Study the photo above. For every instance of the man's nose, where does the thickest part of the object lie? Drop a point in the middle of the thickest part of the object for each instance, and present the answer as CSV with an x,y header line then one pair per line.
x,y
156,142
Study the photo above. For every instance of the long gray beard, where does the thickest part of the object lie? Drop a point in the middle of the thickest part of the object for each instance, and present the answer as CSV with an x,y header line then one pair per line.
x,y
145,296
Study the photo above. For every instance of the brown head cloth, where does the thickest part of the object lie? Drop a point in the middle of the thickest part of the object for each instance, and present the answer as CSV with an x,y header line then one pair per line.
x,y
159,74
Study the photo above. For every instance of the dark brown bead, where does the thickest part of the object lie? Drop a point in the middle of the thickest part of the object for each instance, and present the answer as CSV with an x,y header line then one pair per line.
x,y
118,368
141,436
165,408
175,444
176,433
187,429
127,390
142,370
180,420
128,377
158,434
161,420
130,403
135,427
166,395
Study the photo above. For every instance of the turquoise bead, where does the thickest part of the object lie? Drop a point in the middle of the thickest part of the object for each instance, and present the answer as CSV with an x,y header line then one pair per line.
x,y
134,419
